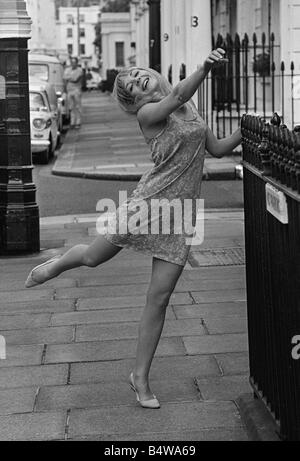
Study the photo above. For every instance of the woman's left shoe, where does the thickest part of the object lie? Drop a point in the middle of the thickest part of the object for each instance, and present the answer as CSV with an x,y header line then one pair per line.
x,y
151,403
30,282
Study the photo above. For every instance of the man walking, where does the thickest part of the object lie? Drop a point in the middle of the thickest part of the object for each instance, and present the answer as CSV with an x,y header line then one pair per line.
x,y
73,86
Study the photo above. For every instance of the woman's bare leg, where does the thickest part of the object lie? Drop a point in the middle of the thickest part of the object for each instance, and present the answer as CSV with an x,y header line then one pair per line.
x,y
92,255
163,281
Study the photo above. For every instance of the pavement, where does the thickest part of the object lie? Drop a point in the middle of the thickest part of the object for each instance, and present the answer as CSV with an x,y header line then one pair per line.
x,y
71,344
109,145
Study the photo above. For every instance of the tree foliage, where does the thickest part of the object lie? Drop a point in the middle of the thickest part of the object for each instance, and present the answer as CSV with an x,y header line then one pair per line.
x,y
117,6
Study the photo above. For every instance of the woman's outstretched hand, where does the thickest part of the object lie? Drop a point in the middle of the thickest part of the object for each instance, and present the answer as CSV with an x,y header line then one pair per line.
x,y
216,57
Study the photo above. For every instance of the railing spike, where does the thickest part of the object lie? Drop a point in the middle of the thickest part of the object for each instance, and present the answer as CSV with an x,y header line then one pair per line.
x,y
254,38
282,66
276,119
237,40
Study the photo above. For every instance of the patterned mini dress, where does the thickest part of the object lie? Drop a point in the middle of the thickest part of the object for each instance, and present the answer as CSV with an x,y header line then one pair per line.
x,y
142,225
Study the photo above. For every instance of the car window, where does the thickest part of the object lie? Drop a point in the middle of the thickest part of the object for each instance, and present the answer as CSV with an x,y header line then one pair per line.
x,y
47,99
36,101
39,71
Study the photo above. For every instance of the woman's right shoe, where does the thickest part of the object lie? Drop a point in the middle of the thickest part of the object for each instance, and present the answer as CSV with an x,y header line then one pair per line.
x,y
152,403
30,282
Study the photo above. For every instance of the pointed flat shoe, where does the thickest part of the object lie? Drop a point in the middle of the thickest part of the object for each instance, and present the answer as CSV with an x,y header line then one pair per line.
x,y
151,403
30,282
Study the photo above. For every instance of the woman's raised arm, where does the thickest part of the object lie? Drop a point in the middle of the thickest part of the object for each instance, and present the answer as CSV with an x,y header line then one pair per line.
x,y
153,113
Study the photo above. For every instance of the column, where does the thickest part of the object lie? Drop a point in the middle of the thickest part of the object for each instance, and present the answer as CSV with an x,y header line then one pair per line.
x,y
179,28
166,36
290,51
19,214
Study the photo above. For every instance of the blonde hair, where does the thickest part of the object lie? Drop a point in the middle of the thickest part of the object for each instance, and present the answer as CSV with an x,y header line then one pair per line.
x,y
132,104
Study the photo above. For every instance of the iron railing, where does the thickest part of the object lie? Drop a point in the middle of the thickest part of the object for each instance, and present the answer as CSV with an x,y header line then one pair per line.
x,y
254,80
271,157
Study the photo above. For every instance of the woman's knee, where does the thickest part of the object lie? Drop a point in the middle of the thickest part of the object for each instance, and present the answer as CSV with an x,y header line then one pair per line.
x,y
159,297
89,259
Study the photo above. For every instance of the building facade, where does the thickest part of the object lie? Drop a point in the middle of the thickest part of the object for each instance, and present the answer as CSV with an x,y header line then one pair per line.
x,y
278,17
139,13
43,28
185,34
117,50
76,33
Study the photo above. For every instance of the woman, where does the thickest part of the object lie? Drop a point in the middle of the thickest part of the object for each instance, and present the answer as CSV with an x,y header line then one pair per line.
x,y
178,138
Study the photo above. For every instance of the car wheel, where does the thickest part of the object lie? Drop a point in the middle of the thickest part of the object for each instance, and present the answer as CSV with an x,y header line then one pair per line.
x,y
59,141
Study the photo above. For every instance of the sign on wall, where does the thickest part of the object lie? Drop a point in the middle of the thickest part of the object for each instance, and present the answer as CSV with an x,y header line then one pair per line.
x,y
277,204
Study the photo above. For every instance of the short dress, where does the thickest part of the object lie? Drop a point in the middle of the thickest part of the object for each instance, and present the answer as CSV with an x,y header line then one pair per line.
x,y
178,153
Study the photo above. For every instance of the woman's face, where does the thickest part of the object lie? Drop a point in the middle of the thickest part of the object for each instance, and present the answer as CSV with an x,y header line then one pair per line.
x,y
140,82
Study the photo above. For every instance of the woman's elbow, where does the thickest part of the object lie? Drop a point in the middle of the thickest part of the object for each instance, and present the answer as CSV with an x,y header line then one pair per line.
x,y
215,150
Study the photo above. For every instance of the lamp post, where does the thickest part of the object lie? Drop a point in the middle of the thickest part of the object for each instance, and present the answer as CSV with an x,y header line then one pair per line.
x,y
19,214
155,34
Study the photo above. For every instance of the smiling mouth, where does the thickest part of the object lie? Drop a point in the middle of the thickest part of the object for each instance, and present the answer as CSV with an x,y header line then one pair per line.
x,y
145,83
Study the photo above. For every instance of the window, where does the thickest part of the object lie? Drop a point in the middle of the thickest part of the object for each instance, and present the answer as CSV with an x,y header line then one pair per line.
x,y
70,49
69,32
70,19
81,18
39,71
82,48
120,59
36,101
82,32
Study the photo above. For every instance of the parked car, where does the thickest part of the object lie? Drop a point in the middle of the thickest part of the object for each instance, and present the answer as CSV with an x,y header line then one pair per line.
x,y
44,120
93,81
49,69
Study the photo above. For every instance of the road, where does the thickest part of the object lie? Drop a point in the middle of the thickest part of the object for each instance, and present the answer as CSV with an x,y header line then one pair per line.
x,y
59,196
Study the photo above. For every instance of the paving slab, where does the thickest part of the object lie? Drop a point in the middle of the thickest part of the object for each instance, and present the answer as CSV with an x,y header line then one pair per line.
x,y
211,310
36,294
170,418
26,376
111,394
17,400
237,434
234,363
107,350
230,324
36,306
215,273
223,388
52,335
219,296
102,316
167,368
215,344
104,280
117,302
172,328
19,322
209,285
22,355
33,427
